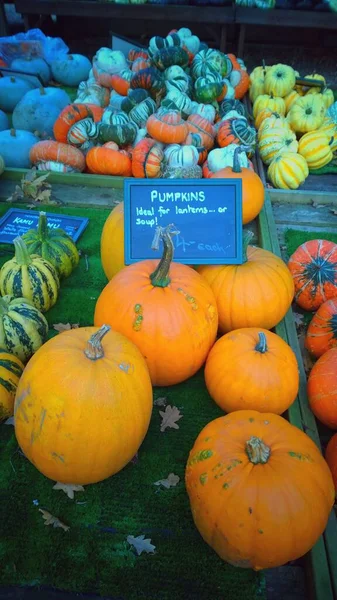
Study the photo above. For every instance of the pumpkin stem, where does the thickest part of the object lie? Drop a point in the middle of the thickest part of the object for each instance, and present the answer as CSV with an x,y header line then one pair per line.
x,y
258,452
160,277
22,255
261,346
13,133
331,140
94,350
247,237
13,80
42,91
236,163
42,227
264,67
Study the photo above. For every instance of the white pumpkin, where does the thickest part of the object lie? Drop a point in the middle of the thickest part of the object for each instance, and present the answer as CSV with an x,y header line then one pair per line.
x,y
110,61
224,157
204,110
181,156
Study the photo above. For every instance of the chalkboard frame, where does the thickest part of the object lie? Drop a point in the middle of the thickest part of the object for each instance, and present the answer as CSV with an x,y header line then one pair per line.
x,y
202,183
21,213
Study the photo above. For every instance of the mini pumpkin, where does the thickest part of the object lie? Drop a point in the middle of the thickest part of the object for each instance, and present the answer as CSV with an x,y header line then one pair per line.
x,y
30,277
136,299
313,267
288,171
276,141
233,495
307,113
275,103
316,148
11,369
279,80
322,388
167,126
252,368
322,330
241,290
49,155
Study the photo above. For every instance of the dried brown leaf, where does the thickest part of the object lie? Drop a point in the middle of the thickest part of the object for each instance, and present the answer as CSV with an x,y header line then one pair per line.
x,y
69,488
65,326
51,520
140,544
170,481
160,402
170,416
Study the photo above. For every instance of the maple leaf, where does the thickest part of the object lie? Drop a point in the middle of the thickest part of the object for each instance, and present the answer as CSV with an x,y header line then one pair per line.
x,y
170,481
65,326
140,544
170,415
51,520
10,421
68,488
160,402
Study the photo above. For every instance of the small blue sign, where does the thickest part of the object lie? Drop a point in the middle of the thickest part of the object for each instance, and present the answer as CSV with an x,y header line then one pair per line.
x,y
207,213
17,221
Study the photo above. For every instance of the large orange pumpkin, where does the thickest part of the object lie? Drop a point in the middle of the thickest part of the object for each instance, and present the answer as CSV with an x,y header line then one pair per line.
x,y
166,309
322,330
257,293
314,269
252,187
112,242
83,405
331,458
252,368
260,490
322,388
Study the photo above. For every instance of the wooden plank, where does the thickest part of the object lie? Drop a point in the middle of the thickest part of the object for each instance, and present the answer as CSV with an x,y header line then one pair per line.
x,y
286,18
71,179
103,10
302,196
322,560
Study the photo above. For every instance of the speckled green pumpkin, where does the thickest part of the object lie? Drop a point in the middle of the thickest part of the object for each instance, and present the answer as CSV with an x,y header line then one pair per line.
x,y
207,89
54,245
23,328
29,276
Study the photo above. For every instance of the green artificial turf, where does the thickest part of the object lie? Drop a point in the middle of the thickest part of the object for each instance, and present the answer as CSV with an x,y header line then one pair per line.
x,y
94,556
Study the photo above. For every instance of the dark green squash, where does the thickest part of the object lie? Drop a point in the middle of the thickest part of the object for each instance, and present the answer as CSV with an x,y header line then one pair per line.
x,y
168,57
122,134
207,89
133,98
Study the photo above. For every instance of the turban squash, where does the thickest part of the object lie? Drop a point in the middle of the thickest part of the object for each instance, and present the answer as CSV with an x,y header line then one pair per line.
x,y
151,302
235,478
106,160
49,155
147,158
51,413
167,126
257,293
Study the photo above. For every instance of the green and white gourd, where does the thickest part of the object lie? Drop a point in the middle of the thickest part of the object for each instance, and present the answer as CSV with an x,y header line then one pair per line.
x,y
139,114
182,157
178,101
208,62
207,111
23,328
54,245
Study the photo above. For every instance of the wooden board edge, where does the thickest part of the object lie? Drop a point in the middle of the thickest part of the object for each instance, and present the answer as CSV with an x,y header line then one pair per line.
x,y
321,561
82,179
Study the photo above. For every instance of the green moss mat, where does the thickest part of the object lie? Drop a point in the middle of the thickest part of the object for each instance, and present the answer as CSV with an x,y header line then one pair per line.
x,y
93,556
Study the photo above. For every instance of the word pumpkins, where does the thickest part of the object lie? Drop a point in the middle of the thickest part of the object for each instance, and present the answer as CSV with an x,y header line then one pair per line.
x,y
252,478
83,405
166,309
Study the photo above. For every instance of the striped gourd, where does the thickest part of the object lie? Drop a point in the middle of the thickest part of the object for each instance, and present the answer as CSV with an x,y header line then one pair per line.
x,y
315,147
23,328
139,114
29,276
273,122
276,141
288,170
11,369
54,245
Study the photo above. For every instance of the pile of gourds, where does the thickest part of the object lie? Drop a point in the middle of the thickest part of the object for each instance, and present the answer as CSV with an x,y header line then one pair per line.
x,y
156,324
172,110
297,124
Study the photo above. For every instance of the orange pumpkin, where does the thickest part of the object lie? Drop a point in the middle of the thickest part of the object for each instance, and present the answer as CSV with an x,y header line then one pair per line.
x,y
254,480
257,293
103,160
112,242
331,458
167,126
147,159
200,125
314,269
166,309
322,388
70,115
252,187
252,368
87,378
49,151
241,81
322,330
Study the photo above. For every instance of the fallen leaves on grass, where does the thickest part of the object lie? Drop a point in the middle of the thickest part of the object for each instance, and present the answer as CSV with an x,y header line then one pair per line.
x,y
140,544
51,520
68,488
65,326
160,402
170,416
170,481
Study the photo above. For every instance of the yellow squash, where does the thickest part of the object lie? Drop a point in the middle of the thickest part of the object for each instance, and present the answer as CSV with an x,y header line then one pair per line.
x,y
315,147
288,171
307,113
276,141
